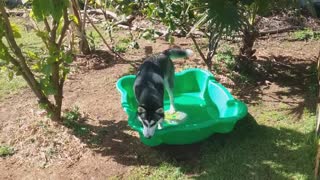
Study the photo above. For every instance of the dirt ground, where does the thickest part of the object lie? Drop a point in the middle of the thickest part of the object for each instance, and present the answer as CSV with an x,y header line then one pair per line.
x,y
45,150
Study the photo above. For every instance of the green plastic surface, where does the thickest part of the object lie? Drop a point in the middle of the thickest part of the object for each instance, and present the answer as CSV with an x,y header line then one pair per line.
x,y
209,106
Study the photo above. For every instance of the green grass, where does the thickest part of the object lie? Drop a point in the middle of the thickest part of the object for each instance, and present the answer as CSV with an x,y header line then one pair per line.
x,y
121,47
6,151
306,34
8,87
163,171
85,132
270,143
225,56
71,120
74,121
28,42
267,144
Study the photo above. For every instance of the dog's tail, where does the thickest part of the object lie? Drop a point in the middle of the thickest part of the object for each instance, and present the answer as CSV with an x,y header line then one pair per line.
x,y
178,53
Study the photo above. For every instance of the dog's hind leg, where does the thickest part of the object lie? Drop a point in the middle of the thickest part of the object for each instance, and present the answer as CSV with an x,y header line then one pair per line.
x,y
172,107
168,84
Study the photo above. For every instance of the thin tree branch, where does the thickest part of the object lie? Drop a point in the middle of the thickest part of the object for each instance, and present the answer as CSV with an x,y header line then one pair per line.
x,y
47,25
104,14
316,170
104,41
84,45
53,32
84,17
318,102
197,47
64,28
74,8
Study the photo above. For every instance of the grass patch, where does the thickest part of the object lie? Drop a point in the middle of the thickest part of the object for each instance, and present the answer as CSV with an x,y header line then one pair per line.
x,y
6,151
123,45
276,148
74,121
225,56
29,41
71,120
163,171
305,35
10,86
267,144
120,47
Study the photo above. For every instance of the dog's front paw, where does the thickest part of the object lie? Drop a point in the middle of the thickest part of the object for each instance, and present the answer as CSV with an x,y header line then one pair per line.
x,y
160,126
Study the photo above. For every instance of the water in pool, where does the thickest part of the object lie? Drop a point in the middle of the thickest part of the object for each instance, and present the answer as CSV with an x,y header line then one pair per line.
x,y
195,114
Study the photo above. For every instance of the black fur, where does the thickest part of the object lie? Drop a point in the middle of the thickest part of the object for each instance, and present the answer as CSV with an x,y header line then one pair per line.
x,y
154,75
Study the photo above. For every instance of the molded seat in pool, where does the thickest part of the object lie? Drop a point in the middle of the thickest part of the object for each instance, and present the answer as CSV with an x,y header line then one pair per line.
x,y
209,106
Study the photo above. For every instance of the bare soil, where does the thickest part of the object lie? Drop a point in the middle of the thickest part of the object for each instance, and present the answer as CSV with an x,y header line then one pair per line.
x,y
45,150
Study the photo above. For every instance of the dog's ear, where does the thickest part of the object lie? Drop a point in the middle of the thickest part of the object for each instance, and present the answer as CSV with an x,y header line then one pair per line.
x,y
160,111
141,109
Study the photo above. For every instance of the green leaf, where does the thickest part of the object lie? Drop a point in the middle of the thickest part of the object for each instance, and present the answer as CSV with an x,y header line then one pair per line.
x,y
10,75
3,68
151,8
52,59
169,38
44,8
4,53
58,7
74,19
35,67
65,70
43,35
224,14
46,69
32,55
66,57
134,45
147,35
15,30
60,25
2,27
47,86
41,9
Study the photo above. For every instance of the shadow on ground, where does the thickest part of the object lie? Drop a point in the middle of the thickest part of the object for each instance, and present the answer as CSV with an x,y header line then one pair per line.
x,y
101,59
249,151
288,80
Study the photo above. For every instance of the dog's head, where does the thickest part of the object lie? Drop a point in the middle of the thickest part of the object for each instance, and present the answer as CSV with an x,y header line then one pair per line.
x,y
150,120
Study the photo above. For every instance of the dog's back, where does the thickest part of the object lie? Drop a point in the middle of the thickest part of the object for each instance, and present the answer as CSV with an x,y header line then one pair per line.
x,y
148,85
154,75
154,70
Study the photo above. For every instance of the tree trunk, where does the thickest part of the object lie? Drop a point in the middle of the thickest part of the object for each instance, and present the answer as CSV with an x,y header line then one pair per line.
x,y
316,170
249,37
83,43
214,39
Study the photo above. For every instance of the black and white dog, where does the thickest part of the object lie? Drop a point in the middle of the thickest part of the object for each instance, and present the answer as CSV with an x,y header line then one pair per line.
x,y
154,75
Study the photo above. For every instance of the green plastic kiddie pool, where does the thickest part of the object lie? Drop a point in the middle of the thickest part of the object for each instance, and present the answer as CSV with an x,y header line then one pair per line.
x,y
209,106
